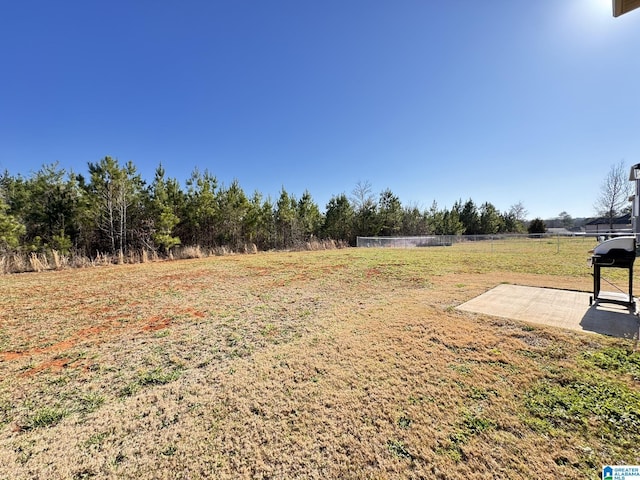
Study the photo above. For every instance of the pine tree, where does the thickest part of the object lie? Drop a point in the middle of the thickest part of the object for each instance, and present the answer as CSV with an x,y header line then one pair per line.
x,y
163,212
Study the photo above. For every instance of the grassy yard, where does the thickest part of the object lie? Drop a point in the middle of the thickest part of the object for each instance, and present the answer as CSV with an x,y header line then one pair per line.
x,y
346,363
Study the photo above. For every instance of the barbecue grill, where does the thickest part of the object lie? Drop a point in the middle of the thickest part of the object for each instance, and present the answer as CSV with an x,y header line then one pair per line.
x,y
618,252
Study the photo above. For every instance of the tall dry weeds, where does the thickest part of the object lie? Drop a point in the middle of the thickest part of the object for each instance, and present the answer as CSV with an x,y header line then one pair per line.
x,y
38,262
18,263
58,260
188,252
79,261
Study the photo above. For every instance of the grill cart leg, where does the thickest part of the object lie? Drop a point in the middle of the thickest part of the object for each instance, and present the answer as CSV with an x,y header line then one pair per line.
x,y
596,284
632,303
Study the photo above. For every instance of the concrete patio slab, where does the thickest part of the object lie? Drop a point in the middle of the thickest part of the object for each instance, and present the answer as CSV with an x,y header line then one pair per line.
x,y
556,308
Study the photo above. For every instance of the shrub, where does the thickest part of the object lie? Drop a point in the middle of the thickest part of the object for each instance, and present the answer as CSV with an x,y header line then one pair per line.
x,y
537,226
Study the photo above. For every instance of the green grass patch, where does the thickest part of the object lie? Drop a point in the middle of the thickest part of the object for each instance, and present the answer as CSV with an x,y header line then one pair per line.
x,y
471,425
398,449
615,359
404,422
156,376
585,403
45,417
96,440
5,411
91,402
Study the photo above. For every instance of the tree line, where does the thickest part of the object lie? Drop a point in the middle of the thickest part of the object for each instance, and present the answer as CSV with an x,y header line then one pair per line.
x,y
113,210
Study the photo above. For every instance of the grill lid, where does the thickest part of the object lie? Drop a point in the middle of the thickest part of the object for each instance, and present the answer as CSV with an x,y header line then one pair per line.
x,y
620,243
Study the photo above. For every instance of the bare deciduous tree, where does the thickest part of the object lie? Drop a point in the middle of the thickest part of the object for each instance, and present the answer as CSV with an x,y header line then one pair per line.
x,y
364,206
518,211
362,196
566,219
614,193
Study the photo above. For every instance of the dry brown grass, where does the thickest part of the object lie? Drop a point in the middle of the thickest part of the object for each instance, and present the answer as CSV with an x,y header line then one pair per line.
x,y
325,364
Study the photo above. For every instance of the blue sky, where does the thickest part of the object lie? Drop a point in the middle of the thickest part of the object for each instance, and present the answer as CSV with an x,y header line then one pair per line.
x,y
503,101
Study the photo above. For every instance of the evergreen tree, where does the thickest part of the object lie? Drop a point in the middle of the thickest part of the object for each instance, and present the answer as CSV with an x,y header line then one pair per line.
x,y
48,205
490,220
339,219
510,223
414,222
200,210
163,211
259,225
309,217
286,220
233,206
470,218
11,230
389,214
452,223
435,220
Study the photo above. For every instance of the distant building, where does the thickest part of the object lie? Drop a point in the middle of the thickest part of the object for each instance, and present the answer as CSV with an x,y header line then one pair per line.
x,y
602,225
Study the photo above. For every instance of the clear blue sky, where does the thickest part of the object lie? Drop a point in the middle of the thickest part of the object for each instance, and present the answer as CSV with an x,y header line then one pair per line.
x,y
494,100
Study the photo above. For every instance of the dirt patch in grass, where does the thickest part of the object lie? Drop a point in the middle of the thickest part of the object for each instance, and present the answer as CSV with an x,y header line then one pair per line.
x,y
335,364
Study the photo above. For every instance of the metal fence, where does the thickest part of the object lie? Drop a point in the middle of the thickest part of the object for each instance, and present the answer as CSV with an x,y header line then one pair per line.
x,y
408,242
500,242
